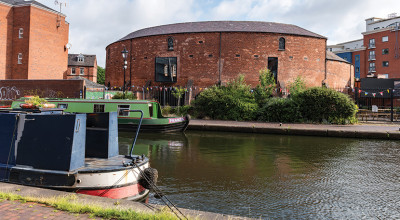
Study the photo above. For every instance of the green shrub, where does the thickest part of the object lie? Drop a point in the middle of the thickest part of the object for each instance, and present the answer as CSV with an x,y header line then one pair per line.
x,y
323,104
184,110
297,86
231,102
166,110
264,90
128,95
280,110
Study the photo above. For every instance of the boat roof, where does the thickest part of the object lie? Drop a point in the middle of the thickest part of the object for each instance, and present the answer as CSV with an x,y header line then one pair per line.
x,y
101,101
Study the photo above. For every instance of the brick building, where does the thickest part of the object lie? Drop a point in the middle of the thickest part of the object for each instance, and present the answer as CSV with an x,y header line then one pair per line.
x,y
377,54
33,41
82,65
208,53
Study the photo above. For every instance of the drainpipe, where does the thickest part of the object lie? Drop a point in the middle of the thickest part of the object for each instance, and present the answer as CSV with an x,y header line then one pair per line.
x,y
325,63
219,66
130,68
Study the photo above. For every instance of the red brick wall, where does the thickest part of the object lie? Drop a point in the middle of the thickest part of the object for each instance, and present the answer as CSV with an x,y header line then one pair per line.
x,y
21,19
394,64
11,89
42,45
6,33
304,56
48,58
90,73
339,74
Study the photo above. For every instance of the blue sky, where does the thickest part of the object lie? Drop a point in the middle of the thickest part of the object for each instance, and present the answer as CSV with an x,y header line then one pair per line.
x,y
96,23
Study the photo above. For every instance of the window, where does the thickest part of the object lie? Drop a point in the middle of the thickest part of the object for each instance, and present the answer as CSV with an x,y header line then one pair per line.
x,y
371,55
121,110
81,71
170,41
81,58
20,58
385,39
166,69
151,109
282,43
385,51
383,76
371,67
357,58
62,105
108,53
357,69
371,43
73,72
98,108
385,63
21,33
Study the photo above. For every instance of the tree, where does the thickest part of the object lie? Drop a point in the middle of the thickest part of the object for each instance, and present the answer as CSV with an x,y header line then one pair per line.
x,y
178,93
267,85
101,75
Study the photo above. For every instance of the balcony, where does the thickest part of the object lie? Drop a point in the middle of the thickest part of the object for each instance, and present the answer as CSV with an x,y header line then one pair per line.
x,y
371,46
371,57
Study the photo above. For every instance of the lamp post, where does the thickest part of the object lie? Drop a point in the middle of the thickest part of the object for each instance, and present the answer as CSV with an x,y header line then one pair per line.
x,y
124,53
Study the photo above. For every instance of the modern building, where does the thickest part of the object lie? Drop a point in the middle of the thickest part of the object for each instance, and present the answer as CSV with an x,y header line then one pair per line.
x,y
82,65
377,54
33,41
208,53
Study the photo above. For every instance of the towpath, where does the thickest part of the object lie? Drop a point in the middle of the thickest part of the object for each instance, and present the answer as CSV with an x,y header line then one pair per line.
x,y
374,130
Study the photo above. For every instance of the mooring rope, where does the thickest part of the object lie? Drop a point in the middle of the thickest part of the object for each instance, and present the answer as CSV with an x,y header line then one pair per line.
x,y
160,194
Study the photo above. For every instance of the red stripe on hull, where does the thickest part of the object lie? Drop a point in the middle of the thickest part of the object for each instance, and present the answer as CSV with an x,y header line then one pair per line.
x,y
116,193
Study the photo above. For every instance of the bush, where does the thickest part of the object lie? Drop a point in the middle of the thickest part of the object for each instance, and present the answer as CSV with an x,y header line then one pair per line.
x,y
184,110
323,104
297,86
267,85
231,102
166,110
280,110
128,95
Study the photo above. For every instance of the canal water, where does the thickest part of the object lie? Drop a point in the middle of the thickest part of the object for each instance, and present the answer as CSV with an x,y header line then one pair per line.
x,y
273,176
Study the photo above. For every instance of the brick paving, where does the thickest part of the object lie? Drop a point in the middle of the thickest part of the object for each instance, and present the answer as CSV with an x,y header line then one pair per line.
x,y
16,210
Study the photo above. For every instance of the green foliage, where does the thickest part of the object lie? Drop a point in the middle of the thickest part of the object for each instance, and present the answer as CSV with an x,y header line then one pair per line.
x,y
178,93
36,101
231,102
184,110
166,110
322,104
101,75
280,110
267,85
128,95
297,86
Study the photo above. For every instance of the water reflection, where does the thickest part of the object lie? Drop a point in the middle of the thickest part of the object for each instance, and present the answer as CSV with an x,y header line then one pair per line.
x,y
272,176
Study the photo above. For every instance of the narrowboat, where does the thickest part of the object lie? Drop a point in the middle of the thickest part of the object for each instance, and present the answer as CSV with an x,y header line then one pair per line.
x,y
71,152
153,120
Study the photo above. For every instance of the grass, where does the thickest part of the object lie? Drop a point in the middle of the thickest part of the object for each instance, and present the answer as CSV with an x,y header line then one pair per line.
x,y
70,204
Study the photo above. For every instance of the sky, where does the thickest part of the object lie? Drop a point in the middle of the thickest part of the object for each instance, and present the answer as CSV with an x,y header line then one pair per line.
x,y
94,24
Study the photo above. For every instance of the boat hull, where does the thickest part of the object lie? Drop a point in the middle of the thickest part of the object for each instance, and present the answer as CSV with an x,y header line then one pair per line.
x,y
163,126
101,178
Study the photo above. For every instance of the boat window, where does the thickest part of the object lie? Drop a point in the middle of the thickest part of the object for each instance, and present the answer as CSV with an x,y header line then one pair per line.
x,y
98,108
151,109
121,109
62,105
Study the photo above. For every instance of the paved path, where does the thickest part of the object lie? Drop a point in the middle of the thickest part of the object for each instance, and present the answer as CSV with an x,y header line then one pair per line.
x,y
13,210
376,130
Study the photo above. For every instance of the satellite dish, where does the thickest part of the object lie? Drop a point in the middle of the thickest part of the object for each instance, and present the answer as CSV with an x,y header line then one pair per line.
x,y
56,2
68,46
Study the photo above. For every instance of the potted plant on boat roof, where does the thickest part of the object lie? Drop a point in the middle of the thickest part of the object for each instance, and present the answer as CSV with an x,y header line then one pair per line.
x,y
36,102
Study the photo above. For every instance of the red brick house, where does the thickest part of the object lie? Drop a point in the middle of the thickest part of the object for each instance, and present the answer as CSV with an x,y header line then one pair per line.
x,y
33,41
82,65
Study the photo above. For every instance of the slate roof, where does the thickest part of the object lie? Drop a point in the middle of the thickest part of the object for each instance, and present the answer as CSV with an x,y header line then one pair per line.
x,y
222,26
332,56
88,83
24,2
89,60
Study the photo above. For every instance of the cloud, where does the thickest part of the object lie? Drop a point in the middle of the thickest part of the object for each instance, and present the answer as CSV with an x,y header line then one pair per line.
x,y
96,23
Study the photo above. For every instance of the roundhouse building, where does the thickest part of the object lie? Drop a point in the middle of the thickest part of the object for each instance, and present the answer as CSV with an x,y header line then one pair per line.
x,y
215,52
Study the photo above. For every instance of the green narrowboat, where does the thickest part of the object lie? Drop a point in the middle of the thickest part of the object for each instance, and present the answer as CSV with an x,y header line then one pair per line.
x,y
153,121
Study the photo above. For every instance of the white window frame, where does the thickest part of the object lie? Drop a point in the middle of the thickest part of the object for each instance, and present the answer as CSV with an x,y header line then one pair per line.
x,y
73,71
371,43
372,67
385,62
371,55
385,38
81,71
20,58
21,33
